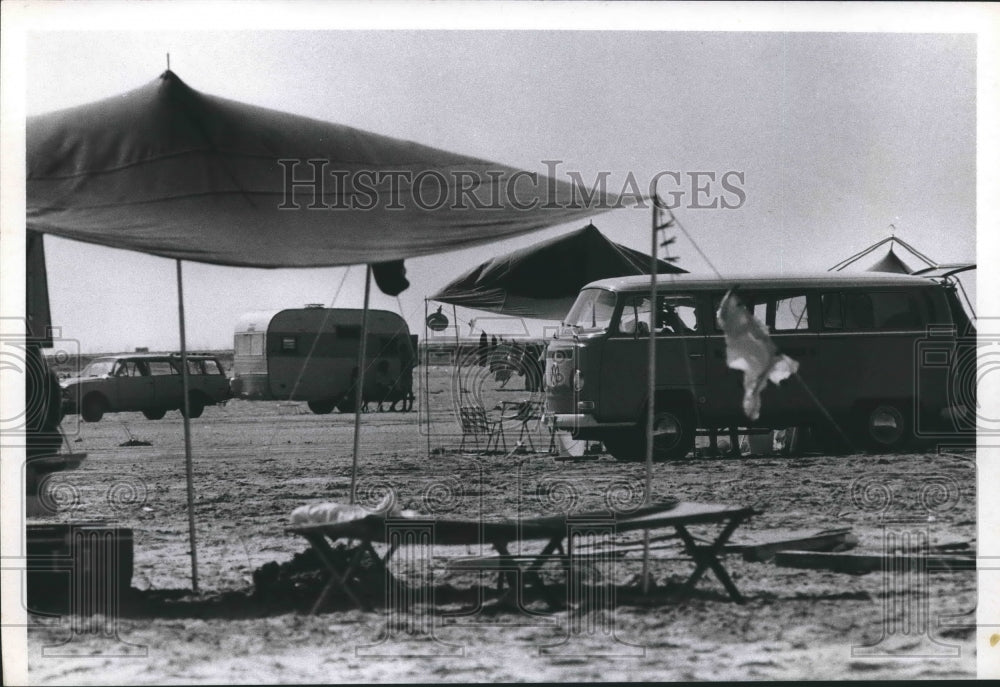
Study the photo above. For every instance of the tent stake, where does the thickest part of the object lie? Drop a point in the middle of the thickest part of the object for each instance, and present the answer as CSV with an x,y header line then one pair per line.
x,y
189,468
359,389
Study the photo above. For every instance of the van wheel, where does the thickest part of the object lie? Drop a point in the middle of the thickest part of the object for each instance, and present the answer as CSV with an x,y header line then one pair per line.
x,y
322,407
673,437
196,405
93,408
673,434
155,413
625,445
882,426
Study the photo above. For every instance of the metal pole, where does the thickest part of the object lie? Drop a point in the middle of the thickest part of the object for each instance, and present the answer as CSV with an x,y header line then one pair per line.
x,y
425,395
651,379
359,389
189,468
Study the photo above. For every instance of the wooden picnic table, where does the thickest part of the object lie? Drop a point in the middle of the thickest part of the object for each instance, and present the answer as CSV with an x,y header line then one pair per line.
x,y
556,533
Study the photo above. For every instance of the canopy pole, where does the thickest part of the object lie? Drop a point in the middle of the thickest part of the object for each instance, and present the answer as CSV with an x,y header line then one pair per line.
x,y
360,383
425,395
189,468
651,380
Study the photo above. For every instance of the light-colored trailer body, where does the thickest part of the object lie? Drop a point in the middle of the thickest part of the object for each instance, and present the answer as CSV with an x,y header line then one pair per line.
x,y
311,354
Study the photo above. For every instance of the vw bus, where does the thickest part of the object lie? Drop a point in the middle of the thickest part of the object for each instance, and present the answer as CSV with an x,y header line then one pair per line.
x,y
876,356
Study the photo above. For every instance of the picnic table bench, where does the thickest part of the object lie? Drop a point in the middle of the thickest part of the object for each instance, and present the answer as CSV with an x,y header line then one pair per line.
x,y
557,534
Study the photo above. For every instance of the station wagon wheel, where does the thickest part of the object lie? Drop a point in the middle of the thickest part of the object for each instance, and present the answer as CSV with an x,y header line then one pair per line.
x,y
93,408
196,404
154,413
322,407
883,426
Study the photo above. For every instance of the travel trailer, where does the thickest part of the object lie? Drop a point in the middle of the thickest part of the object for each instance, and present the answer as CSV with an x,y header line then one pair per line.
x,y
311,354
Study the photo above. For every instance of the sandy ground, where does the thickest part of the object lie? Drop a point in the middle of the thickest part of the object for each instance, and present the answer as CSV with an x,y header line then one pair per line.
x,y
254,462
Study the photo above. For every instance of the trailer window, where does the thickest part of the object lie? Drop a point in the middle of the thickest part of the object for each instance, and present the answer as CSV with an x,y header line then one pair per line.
x,y
289,344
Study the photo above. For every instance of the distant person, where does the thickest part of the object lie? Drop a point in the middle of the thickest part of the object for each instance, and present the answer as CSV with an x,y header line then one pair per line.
x,y
484,349
383,383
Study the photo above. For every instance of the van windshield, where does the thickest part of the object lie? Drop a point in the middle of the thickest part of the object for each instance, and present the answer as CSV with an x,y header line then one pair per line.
x,y
591,312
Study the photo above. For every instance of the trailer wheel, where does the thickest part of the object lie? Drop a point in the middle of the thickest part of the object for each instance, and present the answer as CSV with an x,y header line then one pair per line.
x,y
154,413
322,407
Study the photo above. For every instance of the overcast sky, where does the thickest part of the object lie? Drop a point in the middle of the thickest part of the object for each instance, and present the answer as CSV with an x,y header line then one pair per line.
x,y
833,136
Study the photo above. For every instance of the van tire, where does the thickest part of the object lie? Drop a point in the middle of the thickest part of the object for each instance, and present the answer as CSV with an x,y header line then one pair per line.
x,y
625,445
630,445
673,433
93,408
154,413
322,407
882,426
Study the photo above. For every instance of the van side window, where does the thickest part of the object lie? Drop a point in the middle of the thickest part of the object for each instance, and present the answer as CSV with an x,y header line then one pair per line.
x,y
895,310
858,311
833,311
676,314
750,302
790,313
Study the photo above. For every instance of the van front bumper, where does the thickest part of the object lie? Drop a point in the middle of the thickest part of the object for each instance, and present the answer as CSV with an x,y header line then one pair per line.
x,y
571,422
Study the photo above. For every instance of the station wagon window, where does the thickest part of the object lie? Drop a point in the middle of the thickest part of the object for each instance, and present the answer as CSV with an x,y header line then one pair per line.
x,y
161,367
128,368
195,367
676,315
790,314
212,367
592,311
98,368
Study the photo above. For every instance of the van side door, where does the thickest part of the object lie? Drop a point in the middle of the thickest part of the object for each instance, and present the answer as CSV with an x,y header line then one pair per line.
x,y
680,354
787,317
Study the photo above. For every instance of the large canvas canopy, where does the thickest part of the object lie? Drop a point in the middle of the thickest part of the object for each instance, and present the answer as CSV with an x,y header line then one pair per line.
x,y
542,280
167,170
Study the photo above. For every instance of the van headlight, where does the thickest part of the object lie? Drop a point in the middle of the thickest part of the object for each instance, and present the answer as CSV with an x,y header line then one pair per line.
x,y
577,381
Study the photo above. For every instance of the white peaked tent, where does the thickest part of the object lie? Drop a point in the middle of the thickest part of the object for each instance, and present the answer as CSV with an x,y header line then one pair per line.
x,y
169,171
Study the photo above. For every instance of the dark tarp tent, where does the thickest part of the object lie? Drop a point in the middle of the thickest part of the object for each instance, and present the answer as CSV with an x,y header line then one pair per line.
x,y
890,262
542,280
169,171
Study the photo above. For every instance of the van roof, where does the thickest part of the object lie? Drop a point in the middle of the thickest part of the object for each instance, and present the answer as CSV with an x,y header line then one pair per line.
x,y
763,280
